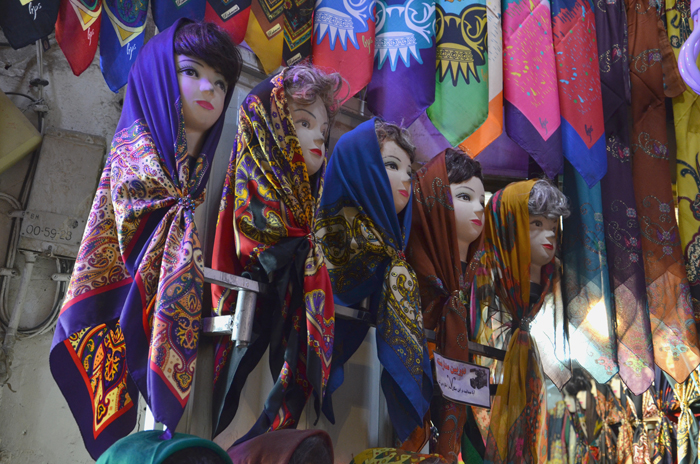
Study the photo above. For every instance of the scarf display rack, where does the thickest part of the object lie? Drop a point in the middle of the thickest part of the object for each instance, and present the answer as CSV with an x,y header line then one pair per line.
x,y
240,325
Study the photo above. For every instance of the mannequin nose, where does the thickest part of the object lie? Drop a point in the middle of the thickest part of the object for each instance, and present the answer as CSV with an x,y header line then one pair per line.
x,y
206,86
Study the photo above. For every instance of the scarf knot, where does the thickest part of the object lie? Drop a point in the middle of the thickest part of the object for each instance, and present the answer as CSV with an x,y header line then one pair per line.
x,y
186,202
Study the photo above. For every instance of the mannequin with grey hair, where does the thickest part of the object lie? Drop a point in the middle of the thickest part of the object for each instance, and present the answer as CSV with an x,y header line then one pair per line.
x,y
546,206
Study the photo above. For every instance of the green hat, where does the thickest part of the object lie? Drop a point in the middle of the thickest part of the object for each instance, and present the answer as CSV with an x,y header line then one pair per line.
x,y
150,448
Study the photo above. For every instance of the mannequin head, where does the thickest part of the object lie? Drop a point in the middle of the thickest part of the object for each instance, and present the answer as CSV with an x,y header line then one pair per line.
x,y
311,97
546,206
398,153
467,189
208,64
194,455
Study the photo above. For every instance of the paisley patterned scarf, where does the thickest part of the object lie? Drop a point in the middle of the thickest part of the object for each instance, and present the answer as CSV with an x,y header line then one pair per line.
x,y
625,437
363,240
664,448
503,287
264,231
610,414
668,294
138,278
433,251
687,393
393,456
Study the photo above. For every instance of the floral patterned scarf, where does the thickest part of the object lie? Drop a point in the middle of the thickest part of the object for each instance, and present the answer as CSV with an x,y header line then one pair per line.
x,y
130,321
433,252
264,232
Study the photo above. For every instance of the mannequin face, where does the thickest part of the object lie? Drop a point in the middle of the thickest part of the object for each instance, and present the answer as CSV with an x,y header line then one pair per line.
x,y
398,169
311,124
202,92
543,234
468,200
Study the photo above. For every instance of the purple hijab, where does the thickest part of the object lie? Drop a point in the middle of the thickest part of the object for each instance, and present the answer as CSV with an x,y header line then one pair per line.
x,y
137,280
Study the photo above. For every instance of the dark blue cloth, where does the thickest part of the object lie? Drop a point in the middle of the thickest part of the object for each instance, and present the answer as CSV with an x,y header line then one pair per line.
x,y
166,12
361,252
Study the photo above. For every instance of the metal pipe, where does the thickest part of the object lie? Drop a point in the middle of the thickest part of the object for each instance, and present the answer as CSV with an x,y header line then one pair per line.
x,y
18,308
40,62
242,330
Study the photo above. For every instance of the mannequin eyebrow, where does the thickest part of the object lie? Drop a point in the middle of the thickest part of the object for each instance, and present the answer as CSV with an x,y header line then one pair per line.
x,y
190,59
392,156
306,111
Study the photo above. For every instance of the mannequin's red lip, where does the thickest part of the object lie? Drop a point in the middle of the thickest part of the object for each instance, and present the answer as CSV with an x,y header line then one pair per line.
x,y
548,246
205,104
316,152
477,222
404,193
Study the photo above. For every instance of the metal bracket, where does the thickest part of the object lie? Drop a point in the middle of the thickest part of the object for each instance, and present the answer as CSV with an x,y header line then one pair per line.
x,y
240,325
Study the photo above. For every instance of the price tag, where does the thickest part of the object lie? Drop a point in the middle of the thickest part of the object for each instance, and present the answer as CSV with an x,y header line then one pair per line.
x,y
463,382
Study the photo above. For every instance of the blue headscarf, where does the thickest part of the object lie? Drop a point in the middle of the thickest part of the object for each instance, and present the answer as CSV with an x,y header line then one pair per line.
x,y
363,241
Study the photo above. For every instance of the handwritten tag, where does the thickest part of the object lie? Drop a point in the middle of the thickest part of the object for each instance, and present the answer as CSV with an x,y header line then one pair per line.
x,y
463,382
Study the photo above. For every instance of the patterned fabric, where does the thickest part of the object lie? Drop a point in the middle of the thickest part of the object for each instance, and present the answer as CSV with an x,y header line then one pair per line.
x,y
582,452
492,128
673,331
392,456
433,251
462,69
665,433
404,57
277,447
610,415
264,229
503,286
640,442
583,131
25,22
121,39
531,107
231,15
688,433
135,296
586,282
344,41
625,436
635,356
686,114
78,31
166,12
558,424
363,240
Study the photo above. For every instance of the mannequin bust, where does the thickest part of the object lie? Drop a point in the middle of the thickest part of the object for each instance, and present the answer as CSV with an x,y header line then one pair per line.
x,y
547,205
398,153
468,199
311,98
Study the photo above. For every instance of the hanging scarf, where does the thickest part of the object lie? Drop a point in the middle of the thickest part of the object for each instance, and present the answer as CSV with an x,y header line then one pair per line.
x,y
121,39
363,240
635,356
503,284
394,456
686,114
78,31
433,251
582,450
404,57
665,442
531,106
232,16
687,393
640,442
672,325
625,437
493,126
149,448
350,48
264,229
586,282
23,22
135,296
610,415
462,69
276,447
582,122
558,423
166,12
